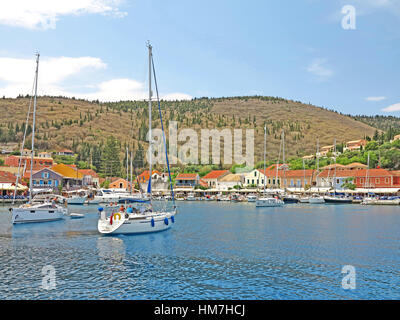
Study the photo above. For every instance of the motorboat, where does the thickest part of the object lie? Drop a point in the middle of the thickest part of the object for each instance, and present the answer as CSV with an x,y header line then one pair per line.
x,y
269,202
304,200
191,197
337,200
251,198
290,198
315,199
38,212
77,197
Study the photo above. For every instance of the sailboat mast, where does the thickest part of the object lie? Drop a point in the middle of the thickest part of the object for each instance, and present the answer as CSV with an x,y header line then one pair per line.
x,y
131,180
265,148
33,126
150,135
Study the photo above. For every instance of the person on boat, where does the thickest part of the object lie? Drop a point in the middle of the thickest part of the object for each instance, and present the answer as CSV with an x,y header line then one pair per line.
x,y
129,209
122,208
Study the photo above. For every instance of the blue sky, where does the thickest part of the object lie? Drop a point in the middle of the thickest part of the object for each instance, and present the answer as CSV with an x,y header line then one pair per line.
x,y
95,49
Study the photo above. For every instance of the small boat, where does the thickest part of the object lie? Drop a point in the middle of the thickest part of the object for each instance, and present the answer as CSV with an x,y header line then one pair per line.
x,y
304,200
75,215
269,202
251,198
315,199
191,197
290,198
337,200
390,201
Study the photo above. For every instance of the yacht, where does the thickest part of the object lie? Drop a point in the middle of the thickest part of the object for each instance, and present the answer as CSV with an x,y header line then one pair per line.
x,y
267,201
34,211
76,197
315,199
145,220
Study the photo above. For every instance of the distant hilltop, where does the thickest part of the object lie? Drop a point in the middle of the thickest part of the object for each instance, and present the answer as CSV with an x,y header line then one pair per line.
x,y
75,124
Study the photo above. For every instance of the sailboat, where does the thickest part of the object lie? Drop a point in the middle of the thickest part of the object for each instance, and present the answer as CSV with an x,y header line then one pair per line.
x,y
145,219
33,211
316,198
336,199
265,201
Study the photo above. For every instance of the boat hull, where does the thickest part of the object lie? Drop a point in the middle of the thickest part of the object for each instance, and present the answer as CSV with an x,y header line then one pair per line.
x,y
137,225
316,200
24,215
332,200
269,203
76,200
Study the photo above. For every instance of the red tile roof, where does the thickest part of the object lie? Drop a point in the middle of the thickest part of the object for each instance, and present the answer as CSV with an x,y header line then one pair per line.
x,y
215,174
7,177
203,183
89,172
187,176
289,173
356,173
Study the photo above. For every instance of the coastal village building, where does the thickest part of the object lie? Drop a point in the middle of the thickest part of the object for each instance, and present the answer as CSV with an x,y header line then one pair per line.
x,y
90,178
355,145
351,166
44,155
120,184
372,178
65,152
213,178
325,150
187,180
13,161
7,184
230,181
72,178
46,178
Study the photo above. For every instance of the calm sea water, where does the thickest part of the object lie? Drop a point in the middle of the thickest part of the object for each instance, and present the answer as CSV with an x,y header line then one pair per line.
x,y
214,251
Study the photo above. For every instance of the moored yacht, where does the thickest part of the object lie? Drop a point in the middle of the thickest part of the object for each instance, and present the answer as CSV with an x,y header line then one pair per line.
x,y
33,211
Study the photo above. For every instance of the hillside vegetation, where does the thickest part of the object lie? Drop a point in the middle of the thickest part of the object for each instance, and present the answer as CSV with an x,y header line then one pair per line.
x,y
85,126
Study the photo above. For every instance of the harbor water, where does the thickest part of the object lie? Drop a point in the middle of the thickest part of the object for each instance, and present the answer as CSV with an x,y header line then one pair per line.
x,y
215,250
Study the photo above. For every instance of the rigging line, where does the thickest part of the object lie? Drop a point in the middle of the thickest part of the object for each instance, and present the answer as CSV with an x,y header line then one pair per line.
x,y
23,142
162,127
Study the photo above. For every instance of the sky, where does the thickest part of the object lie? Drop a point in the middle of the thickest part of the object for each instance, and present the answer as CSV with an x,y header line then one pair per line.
x,y
300,50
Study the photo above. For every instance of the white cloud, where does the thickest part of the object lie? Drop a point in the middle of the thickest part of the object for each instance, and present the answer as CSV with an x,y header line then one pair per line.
x,y
392,108
319,69
43,14
375,98
55,79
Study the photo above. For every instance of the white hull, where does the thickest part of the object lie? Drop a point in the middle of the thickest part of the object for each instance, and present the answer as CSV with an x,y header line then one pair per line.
x,y
190,199
381,202
304,200
28,215
316,200
137,223
76,200
269,202
92,202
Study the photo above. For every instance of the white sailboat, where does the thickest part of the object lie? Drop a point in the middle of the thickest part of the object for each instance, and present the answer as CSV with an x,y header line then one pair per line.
x,y
32,211
264,200
316,198
145,220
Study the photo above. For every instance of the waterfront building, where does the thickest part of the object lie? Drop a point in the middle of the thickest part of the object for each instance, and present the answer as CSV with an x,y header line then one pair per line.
x,y
120,184
90,178
45,178
187,180
72,178
362,178
230,181
213,178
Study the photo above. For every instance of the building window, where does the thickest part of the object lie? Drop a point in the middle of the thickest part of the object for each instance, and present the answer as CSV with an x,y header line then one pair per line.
x,y
49,182
255,173
377,180
387,180
291,182
298,182
252,181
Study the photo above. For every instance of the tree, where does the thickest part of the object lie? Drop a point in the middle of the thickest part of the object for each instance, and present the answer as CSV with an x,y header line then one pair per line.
x,y
111,164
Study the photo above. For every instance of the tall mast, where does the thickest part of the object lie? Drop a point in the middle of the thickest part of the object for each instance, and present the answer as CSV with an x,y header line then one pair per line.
x,y
127,164
150,136
317,154
33,126
283,156
367,176
131,173
334,156
265,148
